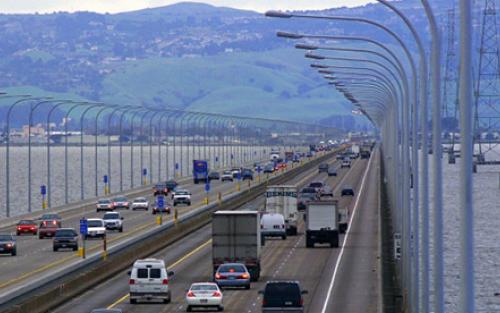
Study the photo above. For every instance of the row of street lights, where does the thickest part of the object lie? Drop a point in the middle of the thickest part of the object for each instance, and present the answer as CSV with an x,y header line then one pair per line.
x,y
393,95
222,140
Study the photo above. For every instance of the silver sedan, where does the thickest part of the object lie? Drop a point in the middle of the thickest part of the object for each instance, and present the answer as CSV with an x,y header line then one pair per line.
x,y
204,295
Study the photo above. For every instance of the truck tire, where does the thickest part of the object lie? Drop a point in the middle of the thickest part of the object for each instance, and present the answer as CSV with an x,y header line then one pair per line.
x,y
335,242
133,301
283,237
309,243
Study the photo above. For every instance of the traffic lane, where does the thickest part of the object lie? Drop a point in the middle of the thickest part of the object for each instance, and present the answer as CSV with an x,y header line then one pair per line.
x,y
297,262
360,264
116,287
119,294
40,258
274,256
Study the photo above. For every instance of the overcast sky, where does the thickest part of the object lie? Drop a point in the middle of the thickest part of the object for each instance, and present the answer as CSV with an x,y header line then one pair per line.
x,y
113,6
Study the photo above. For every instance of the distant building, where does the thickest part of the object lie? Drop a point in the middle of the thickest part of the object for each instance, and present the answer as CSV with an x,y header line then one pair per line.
x,y
34,130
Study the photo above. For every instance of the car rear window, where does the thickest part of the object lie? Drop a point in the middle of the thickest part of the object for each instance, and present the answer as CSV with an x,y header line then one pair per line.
x,y
95,224
120,199
112,216
308,190
5,237
104,201
142,273
231,269
26,222
316,184
282,295
204,287
154,273
65,233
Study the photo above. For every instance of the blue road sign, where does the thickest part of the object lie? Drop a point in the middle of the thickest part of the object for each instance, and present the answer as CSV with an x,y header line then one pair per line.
x,y
259,169
207,187
43,190
160,201
238,176
144,172
216,159
176,166
232,156
105,179
84,227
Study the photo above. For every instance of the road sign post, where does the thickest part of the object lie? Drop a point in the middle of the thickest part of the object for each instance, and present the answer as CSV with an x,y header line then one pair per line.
x,y
83,231
105,179
160,204
43,192
145,176
207,191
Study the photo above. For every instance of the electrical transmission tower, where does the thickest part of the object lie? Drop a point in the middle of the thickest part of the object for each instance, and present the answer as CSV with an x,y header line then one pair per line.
x,y
449,105
487,93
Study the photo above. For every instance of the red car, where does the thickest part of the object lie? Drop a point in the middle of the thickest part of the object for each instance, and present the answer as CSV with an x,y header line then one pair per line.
x,y
26,226
48,228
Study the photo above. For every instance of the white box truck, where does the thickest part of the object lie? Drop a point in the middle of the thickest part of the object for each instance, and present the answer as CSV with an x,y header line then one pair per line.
x,y
322,225
236,238
283,200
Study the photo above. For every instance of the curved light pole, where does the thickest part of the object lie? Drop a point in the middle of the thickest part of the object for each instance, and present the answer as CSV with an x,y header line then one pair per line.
x,y
49,180
66,118
82,118
406,169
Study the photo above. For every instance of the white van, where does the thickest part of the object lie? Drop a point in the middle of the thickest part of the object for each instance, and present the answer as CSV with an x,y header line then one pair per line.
x,y
149,281
273,225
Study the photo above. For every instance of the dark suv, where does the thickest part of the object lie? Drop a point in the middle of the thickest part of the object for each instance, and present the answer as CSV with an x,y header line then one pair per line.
x,y
247,174
323,168
65,238
282,296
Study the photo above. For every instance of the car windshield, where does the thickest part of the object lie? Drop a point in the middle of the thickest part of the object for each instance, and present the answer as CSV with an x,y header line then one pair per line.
x,y
209,287
26,222
159,186
111,216
182,192
281,292
227,172
94,223
140,200
104,201
232,269
120,199
5,237
307,196
65,233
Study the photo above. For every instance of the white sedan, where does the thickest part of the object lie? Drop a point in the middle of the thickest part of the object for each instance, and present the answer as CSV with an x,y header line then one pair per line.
x,y
206,295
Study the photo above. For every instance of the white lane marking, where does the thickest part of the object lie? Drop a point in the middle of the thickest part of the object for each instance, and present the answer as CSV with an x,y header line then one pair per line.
x,y
339,259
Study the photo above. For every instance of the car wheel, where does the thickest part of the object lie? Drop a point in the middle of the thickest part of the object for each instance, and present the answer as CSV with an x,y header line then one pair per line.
x,y
220,308
175,204
40,237
247,287
188,309
189,203
133,301
18,233
75,248
283,237
121,229
14,252
54,249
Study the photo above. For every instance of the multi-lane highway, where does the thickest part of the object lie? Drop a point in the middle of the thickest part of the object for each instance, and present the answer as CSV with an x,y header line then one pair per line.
x,y
36,260
338,280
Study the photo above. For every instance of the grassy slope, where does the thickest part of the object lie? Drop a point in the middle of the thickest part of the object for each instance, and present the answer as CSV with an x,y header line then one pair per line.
x,y
265,84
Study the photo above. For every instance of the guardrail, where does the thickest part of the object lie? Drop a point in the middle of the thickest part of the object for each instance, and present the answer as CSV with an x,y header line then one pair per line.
x,y
55,289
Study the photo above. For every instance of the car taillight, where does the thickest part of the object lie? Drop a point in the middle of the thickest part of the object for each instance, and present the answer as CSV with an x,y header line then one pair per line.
x,y
301,301
216,294
114,203
18,227
245,276
9,245
165,282
54,222
217,276
131,281
264,302
33,227
190,294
